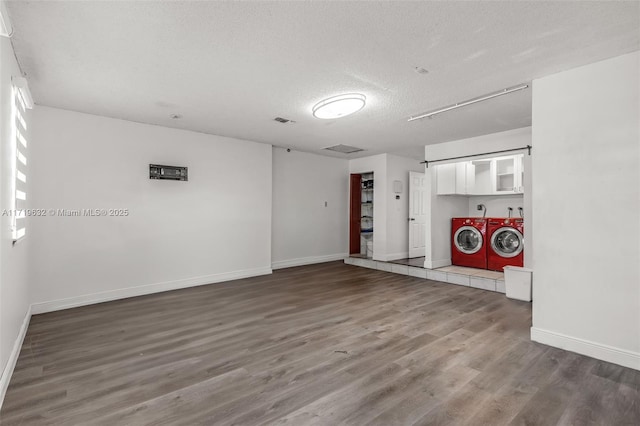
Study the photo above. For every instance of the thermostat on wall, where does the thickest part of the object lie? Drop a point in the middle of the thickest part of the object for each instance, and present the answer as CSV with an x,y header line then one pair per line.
x,y
157,171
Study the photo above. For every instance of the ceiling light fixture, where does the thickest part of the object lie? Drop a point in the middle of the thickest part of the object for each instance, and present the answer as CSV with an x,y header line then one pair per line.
x,y
339,106
469,102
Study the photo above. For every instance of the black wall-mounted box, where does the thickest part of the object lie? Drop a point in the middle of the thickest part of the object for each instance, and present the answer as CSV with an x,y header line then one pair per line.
x,y
158,171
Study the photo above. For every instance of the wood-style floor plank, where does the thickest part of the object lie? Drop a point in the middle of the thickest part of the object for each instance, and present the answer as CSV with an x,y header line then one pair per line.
x,y
324,344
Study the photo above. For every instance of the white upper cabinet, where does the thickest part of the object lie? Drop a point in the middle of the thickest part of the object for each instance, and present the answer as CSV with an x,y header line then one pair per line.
x,y
508,176
455,178
446,179
483,177
488,176
520,161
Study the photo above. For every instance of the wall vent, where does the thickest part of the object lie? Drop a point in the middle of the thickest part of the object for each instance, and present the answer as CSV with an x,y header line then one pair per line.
x,y
345,149
158,171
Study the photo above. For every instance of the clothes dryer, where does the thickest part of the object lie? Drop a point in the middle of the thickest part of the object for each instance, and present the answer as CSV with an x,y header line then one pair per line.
x,y
505,243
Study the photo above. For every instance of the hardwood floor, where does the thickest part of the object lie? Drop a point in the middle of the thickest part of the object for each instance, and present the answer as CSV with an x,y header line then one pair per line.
x,y
326,344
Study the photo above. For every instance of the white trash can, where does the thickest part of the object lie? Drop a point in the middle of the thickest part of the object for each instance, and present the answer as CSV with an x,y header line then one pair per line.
x,y
517,281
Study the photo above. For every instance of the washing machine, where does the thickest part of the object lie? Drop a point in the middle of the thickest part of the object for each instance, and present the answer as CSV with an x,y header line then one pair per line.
x,y
468,242
505,243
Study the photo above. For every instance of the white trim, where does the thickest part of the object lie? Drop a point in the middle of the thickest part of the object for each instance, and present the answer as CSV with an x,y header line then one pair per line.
x,y
307,260
13,356
586,347
435,264
123,293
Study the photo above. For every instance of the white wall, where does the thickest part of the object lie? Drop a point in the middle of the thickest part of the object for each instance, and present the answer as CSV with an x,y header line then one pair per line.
x,y
496,205
305,230
444,207
441,209
398,210
586,131
378,165
215,227
480,144
14,292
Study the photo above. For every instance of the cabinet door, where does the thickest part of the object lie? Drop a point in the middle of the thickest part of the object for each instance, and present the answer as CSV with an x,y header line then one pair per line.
x,y
520,173
506,175
456,178
483,177
470,178
461,178
446,179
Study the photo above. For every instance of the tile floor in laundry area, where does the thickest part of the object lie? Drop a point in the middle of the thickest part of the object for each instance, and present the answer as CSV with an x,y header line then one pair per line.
x,y
470,277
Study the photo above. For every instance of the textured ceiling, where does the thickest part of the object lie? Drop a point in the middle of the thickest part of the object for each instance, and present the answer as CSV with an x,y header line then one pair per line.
x,y
229,68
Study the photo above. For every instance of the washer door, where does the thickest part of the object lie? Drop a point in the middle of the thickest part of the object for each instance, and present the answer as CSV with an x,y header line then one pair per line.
x,y
468,240
507,242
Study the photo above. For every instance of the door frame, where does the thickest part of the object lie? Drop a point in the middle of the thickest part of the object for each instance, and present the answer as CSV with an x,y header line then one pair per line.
x,y
355,210
420,251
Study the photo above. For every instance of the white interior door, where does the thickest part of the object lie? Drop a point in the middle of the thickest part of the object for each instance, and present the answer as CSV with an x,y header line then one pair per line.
x,y
417,214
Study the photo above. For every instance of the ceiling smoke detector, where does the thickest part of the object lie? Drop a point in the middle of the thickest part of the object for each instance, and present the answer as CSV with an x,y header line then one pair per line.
x,y
283,120
344,149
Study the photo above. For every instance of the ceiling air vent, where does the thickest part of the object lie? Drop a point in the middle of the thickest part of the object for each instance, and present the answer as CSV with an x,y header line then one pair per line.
x,y
345,149
283,120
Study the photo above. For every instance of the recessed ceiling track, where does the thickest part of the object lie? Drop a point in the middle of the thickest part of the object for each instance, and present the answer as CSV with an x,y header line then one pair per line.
x,y
469,102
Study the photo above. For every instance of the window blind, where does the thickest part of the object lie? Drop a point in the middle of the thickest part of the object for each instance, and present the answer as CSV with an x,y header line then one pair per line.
x,y
18,225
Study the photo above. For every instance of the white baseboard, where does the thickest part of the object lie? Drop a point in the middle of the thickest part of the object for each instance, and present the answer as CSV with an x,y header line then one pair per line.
x,y
307,260
13,357
106,296
586,347
435,264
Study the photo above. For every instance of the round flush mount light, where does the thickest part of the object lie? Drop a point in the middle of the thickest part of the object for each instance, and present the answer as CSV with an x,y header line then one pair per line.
x,y
339,106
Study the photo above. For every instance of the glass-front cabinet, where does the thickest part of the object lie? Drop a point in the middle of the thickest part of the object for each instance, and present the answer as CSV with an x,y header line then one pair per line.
x,y
509,174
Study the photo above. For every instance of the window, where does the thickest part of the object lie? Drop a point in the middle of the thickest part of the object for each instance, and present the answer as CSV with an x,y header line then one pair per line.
x,y
21,102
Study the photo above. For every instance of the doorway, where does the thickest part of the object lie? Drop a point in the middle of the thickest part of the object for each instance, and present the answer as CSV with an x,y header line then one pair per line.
x,y
361,214
417,214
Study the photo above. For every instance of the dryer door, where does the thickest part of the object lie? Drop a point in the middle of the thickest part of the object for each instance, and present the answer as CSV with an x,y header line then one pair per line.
x,y
507,242
468,240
